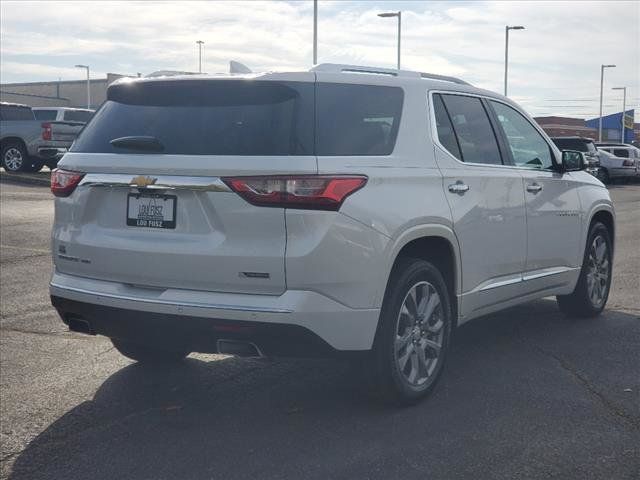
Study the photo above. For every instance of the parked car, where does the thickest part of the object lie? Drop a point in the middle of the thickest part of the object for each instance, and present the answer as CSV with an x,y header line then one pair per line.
x,y
584,145
350,211
614,167
80,115
28,144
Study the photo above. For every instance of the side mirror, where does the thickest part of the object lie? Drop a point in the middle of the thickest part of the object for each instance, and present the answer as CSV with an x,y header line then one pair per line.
x,y
573,161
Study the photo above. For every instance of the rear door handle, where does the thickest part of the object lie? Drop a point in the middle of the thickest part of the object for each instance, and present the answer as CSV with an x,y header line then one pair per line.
x,y
458,187
534,188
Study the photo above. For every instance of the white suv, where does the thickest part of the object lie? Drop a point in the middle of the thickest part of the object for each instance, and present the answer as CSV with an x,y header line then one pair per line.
x,y
346,211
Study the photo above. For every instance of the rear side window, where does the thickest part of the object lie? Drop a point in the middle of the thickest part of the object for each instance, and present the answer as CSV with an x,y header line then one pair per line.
x,y
357,119
473,129
11,113
229,117
77,115
446,134
45,114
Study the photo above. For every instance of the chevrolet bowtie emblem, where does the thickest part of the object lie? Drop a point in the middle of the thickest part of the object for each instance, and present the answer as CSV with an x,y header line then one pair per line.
x,y
142,181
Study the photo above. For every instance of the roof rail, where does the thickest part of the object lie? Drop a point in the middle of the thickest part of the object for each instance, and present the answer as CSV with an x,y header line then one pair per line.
x,y
339,68
444,78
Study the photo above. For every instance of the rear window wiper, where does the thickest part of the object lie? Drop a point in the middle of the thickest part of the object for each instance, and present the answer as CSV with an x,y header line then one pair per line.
x,y
138,142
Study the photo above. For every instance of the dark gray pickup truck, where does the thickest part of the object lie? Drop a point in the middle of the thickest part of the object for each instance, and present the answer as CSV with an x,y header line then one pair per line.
x,y
28,144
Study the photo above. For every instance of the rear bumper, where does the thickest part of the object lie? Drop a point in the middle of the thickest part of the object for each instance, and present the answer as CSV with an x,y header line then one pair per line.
x,y
296,323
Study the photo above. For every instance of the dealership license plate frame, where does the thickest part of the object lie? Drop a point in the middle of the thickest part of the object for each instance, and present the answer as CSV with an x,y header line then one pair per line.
x,y
149,221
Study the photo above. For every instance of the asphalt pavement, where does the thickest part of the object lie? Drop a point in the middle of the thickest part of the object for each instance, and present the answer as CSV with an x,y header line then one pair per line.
x,y
527,392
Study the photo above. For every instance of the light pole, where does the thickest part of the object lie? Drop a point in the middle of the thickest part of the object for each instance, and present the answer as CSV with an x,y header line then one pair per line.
x,y
602,67
624,107
315,32
399,15
200,43
88,84
506,52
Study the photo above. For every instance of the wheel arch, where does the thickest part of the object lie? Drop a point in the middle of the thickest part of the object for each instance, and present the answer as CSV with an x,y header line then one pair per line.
x,y
436,244
607,218
12,139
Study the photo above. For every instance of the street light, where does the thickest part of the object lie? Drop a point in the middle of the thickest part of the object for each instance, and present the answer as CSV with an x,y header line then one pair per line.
x,y
399,15
200,43
88,84
506,52
624,107
602,67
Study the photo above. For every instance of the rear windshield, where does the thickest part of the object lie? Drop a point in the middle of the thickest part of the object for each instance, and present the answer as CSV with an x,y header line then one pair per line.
x,y
206,118
243,117
77,115
575,144
45,114
12,113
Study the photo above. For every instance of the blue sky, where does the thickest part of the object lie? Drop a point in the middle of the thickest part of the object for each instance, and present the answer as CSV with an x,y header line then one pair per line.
x,y
554,63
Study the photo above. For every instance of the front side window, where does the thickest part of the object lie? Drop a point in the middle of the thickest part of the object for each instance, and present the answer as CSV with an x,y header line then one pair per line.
x,y
621,152
357,119
528,147
471,125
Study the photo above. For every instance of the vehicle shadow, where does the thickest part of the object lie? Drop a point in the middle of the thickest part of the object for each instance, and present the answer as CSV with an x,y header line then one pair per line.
x,y
514,390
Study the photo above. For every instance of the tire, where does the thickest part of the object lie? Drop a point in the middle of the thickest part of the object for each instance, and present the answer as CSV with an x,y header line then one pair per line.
x,y
592,291
51,164
604,176
402,374
14,157
34,166
148,354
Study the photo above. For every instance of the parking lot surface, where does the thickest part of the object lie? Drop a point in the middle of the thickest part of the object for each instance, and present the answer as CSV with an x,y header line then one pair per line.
x,y
527,392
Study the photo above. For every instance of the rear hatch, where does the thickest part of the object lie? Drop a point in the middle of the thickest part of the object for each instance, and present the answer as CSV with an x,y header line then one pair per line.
x,y
153,210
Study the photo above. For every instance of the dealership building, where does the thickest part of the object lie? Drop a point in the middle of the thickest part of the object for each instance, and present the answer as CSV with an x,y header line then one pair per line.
x,y
64,93
577,127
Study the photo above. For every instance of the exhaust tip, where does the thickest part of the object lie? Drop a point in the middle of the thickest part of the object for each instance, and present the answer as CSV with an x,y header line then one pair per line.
x,y
238,348
80,325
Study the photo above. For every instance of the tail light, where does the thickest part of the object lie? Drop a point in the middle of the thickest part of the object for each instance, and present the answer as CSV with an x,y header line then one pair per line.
x,y
628,163
64,182
308,192
46,131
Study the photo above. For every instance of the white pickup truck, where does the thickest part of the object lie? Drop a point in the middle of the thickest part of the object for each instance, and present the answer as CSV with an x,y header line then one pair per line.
x,y
27,143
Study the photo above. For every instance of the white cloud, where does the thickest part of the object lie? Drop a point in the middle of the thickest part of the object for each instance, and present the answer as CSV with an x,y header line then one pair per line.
x,y
558,56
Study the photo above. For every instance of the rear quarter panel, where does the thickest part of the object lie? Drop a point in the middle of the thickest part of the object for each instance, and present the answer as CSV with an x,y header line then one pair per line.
x,y
403,199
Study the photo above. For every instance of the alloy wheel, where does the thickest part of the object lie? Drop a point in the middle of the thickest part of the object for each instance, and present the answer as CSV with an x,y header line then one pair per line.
x,y
598,271
419,334
13,159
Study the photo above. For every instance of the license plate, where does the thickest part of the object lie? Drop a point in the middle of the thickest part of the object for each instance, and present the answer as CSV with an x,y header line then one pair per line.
x,y
151,210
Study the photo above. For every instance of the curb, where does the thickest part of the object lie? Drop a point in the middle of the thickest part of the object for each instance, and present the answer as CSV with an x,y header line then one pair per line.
x,y
24,179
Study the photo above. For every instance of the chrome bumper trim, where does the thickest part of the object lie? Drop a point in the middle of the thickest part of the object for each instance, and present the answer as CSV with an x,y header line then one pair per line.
x,y
239,308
